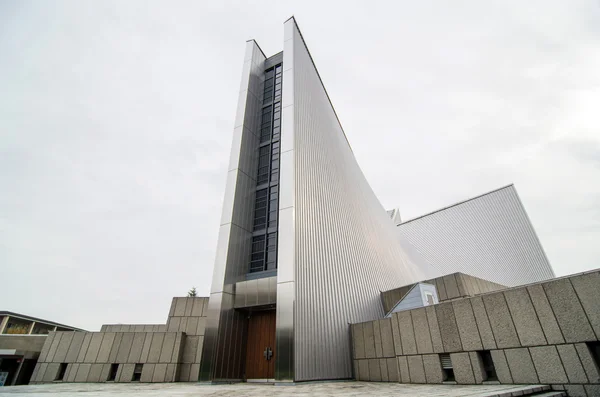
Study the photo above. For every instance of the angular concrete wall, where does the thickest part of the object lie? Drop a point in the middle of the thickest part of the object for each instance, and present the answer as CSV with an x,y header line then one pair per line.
x,y
168,356
89,356
451,286
539,333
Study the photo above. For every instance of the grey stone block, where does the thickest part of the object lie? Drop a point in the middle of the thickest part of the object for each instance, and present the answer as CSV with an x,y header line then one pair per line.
x,y
384,369
355,369
396,334
54,346
501,366
182,324
41,372
125,347
416,370
369,336
587,287
189,304
434,330
194,372
189,350
572,364
545,314
71,372
451,286
467,326
524,317
462,283
112,357
568,311
358,343
105,347
201,326
374,370
126,372
448,327
84,347
441,289
205,308
173,324
34,375
392,365
387,340
199,351
51,372
478,368
76,347
46,347
363,370
180,307
94,347
433,368
146,347
184,372
147,373
461,364
105,372
403,369
136,347
197,307
591,369
421,329
192,326
63,347
576,391
504,331
407,333
95,373
156,347
82,373
483,324
521,366
171,373
178,348
548,364
592,390
160,372
377,339
167,348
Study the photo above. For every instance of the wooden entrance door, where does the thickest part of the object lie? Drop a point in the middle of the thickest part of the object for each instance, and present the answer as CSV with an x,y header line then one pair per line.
x,y
260,353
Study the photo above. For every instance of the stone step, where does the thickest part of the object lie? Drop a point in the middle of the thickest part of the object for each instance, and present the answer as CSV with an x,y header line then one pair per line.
x,y
550,394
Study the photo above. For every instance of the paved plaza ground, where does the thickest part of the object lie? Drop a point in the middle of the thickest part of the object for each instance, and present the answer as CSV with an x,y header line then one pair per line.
x,y
346,389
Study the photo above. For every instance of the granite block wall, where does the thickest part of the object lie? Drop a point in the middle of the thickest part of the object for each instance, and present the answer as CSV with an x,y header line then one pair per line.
x,y
169,352
543,333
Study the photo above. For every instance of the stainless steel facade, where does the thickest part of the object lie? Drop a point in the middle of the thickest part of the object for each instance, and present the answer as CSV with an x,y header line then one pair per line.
x,y
338,248
489,236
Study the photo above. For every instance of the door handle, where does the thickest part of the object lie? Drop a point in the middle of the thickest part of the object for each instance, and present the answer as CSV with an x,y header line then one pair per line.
x,y
268,353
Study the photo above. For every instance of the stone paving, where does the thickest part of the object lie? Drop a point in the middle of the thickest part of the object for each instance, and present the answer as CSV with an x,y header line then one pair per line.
x,y
346,389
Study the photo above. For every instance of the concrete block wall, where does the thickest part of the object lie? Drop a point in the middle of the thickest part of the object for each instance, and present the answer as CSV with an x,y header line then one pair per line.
x,y
170,352
89,356
539,333
188,315
451,286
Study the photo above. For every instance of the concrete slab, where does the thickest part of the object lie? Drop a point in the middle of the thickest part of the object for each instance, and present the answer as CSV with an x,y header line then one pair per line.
x,y
448,327
463,372
374,370
125,347
93,348
331,389
403,369
521,366
189,350
483,324
587,287
167,348
396,334
416,369
377,338
171,373
467,326
433,368
570,359
105,347
503,328
384,370
155,347
545,314
358,342
421,328
63,347
548,365
95,373
363,370
82,373
136,347
501,366
407,333
434,330
369,336
392,365
160,372
84,347
387,340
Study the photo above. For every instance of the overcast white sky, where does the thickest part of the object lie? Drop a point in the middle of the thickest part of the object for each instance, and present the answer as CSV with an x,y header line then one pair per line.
x,y
116,120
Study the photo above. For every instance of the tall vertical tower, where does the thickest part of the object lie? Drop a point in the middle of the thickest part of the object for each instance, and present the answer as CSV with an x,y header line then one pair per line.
x,y
304,245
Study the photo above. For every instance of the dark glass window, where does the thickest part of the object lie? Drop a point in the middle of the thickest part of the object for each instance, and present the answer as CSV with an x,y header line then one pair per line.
x,y
271,252
62,369
257,258
260,209
273,206
263,165
265,129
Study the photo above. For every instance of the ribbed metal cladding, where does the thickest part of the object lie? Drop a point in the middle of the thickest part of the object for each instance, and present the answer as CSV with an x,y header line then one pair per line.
x,y
345,249
489,236
223,350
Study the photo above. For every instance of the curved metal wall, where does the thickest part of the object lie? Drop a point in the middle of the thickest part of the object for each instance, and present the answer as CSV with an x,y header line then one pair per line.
x,y
489,236
338,248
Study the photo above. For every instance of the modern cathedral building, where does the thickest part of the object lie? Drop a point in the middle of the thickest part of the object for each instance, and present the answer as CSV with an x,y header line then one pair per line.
x,y
313,280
